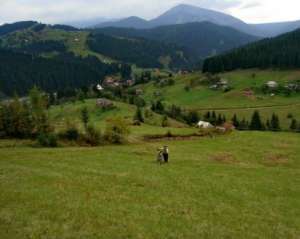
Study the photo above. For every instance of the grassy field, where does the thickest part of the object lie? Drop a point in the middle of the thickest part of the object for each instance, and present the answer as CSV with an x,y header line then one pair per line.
x,y
245,185
70,113
203,99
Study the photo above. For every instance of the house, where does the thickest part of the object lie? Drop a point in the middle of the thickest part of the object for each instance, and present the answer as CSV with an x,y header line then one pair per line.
x,y
111,82
272,84
204,125
99,87
104,103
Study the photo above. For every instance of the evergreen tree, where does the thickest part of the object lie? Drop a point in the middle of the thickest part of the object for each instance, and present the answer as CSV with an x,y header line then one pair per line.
x,y
235,121
294,125
243,125
139,115
165,121
207,116
275,125
159,107
192,117
256,123
85,117
213,119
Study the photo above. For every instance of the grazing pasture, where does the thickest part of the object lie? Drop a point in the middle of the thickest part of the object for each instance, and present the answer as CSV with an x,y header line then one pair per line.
x,y
242,185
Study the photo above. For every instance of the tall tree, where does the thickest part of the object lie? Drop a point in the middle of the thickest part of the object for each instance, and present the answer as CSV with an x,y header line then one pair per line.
x,y
256,123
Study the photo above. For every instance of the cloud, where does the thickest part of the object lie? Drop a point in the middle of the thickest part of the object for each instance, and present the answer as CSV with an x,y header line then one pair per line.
x,y
251,5
59,11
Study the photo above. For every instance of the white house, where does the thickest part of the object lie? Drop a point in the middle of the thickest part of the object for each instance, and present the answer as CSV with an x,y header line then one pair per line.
x,y
204,125
272,84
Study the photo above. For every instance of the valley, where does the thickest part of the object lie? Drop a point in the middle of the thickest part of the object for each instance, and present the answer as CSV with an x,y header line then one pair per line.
x,y
90,117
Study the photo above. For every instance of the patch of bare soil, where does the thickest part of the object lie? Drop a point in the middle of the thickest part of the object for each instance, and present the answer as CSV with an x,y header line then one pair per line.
x,y
275,159
224,158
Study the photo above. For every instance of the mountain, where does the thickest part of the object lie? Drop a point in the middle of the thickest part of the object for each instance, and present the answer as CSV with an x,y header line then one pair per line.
x,y
280,52
182,14
186,13
86,23
55,40
201,39
130,22
275,29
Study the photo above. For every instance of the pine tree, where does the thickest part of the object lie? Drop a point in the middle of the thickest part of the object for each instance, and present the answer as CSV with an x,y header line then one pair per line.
x,y
275,125
85,117
294,125
256,123
139,115
159,107
165,121
243,125
235,121
213,119
207,116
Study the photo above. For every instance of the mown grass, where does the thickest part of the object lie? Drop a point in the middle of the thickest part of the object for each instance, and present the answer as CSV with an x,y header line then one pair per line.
x,y
245,185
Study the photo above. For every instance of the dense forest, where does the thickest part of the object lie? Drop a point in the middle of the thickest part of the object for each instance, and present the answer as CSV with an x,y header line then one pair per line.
x,y
20,72
280,53
201,39
142,52
9,28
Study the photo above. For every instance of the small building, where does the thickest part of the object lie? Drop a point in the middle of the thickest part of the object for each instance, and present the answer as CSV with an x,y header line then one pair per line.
x,y
272,84
99,87
204,125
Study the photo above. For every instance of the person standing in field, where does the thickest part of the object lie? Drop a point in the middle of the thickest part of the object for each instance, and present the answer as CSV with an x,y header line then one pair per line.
x,y
166,154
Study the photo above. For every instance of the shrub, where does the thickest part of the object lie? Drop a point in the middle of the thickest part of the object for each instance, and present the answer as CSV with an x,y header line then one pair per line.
x,y
165,121
47,140
117,131
71,133
92,136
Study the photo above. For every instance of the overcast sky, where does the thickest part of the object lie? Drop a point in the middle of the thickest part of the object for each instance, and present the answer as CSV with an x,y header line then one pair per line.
x,y
59,11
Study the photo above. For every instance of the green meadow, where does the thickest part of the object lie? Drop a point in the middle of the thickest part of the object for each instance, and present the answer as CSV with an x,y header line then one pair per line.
x,y
242,185
203,99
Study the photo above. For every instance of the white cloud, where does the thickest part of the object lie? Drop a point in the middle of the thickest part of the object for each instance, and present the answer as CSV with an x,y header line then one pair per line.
x,y
53,11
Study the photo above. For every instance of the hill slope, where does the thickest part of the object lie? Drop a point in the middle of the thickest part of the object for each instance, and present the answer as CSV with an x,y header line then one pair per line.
x,y
143,53
130,22
280,52
275,29
20,72
201,39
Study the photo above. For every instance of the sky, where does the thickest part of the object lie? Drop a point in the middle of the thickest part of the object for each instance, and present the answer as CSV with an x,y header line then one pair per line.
x,y
62,11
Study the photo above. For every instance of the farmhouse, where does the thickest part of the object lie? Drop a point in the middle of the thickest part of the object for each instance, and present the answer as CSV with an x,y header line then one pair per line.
x,y
272,84
204,125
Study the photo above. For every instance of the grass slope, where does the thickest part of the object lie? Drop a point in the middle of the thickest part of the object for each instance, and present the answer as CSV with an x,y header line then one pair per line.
x,y
202,98
240,186
70,112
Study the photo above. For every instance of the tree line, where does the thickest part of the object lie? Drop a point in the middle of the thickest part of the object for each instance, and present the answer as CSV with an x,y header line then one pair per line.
x,y
281,52
20,72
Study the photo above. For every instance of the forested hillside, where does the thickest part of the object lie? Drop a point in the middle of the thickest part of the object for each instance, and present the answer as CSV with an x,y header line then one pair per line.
x,y
200,39
280,53
143,53
20,72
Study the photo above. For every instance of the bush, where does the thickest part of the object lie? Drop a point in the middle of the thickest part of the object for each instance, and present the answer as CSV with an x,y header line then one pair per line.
x,y
92,136
117,131
47,140
71,133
